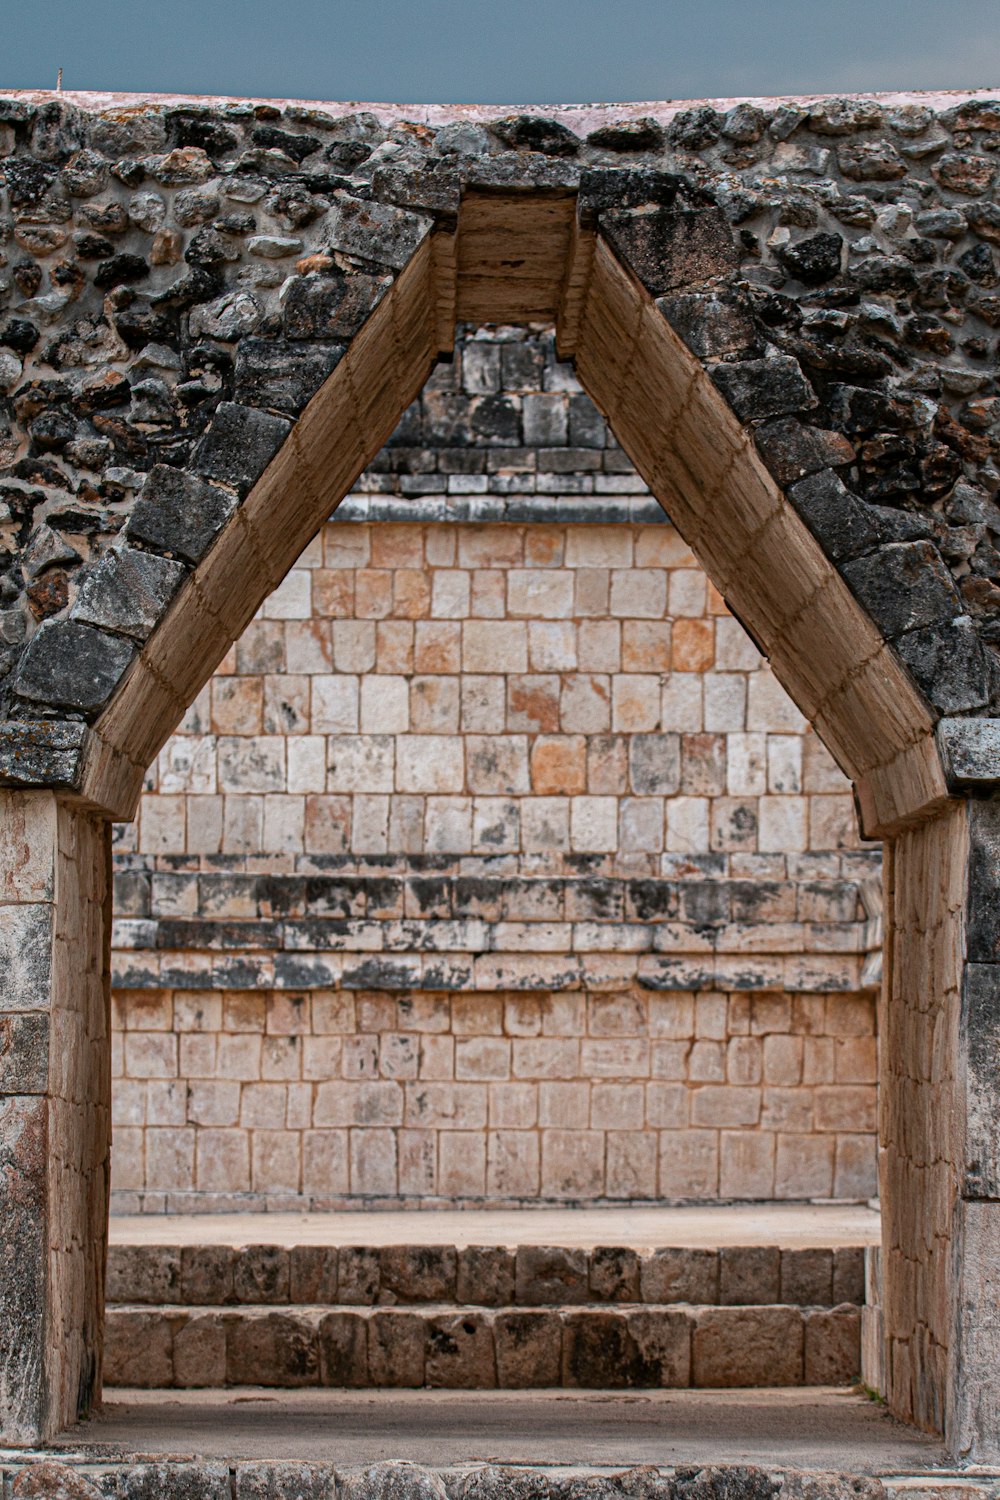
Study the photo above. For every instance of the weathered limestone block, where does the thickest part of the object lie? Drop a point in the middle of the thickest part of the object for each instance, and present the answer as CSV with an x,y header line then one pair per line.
x,y
140,1349
418,1273
485,1275
396,1348
750,1346
528,1348
832,1348
680,1276
199,1351
287,1345
551,1275
283,1481
460,1353
343,1349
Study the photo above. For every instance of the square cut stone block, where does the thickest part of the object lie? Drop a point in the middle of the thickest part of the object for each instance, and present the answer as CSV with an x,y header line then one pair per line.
x,y
358,1275
143,1273
614,1274
833,1346
849,1275
261,1274
25,956
751,1346
139,1348
602,1349
343,1349
418,1273
528,1349
749,1274
550,1276
460,1352
676,1275
313,1274
271,1348
663,1346
277,1481
486,1275
396,1346
207,1275
200,1351
806,1277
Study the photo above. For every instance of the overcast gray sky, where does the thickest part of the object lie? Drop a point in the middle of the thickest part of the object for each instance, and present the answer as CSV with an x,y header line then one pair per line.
x,y
503,51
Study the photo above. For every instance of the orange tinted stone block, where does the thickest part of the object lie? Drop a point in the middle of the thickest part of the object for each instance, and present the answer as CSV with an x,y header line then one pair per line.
x,y
559,765
693,645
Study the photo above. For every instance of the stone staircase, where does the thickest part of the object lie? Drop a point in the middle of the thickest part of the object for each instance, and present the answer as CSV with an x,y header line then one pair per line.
x,y
482,1317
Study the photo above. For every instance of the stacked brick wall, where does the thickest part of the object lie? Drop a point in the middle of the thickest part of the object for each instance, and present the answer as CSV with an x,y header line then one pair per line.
x,y
225,1099
481,690
494,864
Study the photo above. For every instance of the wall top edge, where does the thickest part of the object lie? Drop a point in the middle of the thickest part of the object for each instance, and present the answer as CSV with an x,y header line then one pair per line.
x,y
581,117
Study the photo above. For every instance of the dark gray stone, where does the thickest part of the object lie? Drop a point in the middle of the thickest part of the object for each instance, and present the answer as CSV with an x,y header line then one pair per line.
x,y
983,933
712,324
981,1076
178,513
671,248
970,751
642,134
903,586
281,376
950,665
791,449
72,665
765,387
43,752
373,231
435,188
815,260
239,445
330,305
536,133
840,522
128,591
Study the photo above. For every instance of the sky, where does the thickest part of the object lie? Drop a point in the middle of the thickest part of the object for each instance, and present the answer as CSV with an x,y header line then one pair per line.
x,y
503,51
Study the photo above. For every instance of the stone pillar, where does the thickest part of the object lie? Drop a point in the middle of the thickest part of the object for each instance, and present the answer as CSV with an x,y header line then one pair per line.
x,y
940,1128
55,1071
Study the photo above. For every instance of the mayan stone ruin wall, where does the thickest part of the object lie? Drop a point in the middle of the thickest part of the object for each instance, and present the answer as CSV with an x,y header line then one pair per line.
x,y
509,725
214,316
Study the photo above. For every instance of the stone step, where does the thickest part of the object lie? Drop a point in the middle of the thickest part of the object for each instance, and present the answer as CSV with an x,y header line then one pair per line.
x,y
482,1275
511,1348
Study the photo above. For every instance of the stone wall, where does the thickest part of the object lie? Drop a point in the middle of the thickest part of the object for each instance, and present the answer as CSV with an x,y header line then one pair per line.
x,y
244,1099
494,863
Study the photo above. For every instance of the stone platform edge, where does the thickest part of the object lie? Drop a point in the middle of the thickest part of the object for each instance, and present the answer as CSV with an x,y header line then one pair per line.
x,y
85,1476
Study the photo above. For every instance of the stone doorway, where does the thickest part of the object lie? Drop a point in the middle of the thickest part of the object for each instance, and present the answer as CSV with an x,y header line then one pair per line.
x,y
592,257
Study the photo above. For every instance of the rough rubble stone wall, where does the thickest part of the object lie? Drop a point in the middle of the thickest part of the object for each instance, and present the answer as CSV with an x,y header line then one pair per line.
x,y
182,279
